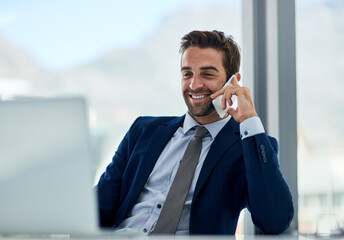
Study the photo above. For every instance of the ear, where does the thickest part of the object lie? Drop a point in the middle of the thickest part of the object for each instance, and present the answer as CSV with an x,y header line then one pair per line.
x,y
238,76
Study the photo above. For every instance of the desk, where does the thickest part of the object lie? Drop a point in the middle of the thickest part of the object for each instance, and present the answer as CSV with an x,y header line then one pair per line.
x,y
117,237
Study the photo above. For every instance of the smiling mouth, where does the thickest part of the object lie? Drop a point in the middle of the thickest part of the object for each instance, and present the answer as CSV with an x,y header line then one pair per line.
x,y
198,96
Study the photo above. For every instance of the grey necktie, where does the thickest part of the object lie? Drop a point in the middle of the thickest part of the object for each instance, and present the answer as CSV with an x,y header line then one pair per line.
x,y
170,214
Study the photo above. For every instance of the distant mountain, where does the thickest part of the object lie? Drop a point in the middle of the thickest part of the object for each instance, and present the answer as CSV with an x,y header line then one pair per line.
x,y
17,64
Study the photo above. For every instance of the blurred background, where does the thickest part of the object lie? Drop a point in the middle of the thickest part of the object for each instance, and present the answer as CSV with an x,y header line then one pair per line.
x,y
122,56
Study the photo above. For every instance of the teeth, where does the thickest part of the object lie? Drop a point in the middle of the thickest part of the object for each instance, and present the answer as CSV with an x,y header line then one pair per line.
x,y
197,97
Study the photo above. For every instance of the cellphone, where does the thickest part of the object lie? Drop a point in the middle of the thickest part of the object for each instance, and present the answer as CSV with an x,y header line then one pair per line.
x,y
217,101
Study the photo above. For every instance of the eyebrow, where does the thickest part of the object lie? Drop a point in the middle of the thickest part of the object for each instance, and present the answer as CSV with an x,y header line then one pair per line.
x,y
202,68
209,68
185,68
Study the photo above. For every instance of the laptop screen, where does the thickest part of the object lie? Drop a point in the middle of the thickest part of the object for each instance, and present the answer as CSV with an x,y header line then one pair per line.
x,y
45,167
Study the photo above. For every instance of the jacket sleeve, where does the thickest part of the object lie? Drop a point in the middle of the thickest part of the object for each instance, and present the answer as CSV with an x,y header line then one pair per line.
x,y
268,197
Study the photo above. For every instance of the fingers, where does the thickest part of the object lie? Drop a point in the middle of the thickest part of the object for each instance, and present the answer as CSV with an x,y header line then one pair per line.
x,y
234,82
224,101
232,111
227,96
228,91
218,93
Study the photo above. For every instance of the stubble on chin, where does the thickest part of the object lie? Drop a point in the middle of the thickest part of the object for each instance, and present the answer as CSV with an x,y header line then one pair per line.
x,y
199,109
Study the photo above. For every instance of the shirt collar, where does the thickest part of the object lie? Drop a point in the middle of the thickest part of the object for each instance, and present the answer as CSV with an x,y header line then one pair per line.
x,y
213,128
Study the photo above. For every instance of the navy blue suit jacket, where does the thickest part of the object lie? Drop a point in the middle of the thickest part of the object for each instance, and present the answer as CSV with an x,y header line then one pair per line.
x,y
236,174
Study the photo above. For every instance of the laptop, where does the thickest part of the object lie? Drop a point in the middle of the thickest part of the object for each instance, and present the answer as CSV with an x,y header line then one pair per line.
x,y
45,168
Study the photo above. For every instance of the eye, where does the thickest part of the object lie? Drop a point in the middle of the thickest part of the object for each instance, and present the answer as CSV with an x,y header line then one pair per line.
x,y
207,75
187,74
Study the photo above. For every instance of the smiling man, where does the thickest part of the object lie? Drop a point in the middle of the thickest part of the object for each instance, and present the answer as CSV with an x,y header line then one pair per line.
x,y
195,173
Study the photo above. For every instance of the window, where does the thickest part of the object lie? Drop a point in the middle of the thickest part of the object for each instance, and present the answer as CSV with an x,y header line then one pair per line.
x,y
122,57
320,58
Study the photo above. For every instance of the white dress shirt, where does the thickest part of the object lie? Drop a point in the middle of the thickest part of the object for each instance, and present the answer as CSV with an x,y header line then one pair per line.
x,y
145,212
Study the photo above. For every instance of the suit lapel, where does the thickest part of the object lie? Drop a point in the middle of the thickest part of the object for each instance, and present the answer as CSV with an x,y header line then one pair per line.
x,y
155,146
225,139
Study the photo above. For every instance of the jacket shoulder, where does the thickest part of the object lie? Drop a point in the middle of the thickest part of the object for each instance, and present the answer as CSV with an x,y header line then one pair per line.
x,y
153,122
144,127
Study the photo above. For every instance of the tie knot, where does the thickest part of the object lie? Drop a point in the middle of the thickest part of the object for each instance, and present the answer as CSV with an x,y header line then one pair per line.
x,y
200,132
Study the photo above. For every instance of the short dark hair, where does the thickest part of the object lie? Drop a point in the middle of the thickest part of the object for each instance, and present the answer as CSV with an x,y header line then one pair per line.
x,y
217,40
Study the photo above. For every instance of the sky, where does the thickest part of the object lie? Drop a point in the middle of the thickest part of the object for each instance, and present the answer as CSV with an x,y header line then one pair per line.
x,y
63,33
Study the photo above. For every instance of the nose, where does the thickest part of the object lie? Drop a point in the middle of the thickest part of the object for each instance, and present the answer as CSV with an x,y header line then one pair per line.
x,y
196,83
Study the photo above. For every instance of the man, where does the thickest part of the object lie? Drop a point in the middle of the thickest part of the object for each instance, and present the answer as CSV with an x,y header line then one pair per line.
x,y
233,171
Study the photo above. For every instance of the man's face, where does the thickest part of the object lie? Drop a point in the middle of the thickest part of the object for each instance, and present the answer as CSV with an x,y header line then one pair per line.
x,y
202,74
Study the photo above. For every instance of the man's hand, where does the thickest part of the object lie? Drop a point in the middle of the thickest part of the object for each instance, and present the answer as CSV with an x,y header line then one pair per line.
x,y
245,108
